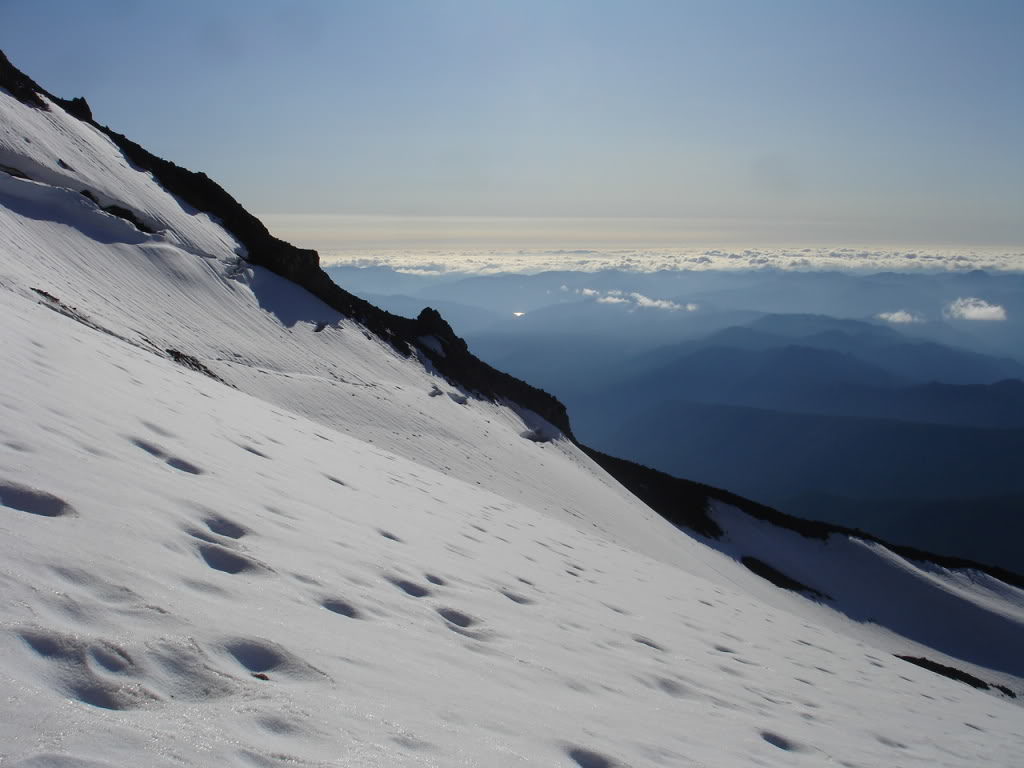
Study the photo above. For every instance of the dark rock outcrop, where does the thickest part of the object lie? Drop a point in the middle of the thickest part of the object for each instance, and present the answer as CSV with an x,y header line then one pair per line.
x,y
19,85
683,503
778,578
120,212
955,674
78,107
193,363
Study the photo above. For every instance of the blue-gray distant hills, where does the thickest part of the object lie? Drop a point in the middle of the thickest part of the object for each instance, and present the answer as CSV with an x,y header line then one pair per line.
x,y
862,370
836,427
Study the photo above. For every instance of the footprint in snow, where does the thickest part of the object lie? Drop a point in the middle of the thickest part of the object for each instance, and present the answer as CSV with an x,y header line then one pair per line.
x,y
463,624
223,559
262,657
341,607
515,597
673,688
33,501
458,618
224,526
782,742
171,461
648,642
587,758
76,661
252,450
410,588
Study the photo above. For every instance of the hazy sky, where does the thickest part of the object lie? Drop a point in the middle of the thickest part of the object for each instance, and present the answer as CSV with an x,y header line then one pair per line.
x,y
852,122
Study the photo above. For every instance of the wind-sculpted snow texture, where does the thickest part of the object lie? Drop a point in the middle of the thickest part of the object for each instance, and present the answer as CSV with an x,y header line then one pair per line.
x,y
333,556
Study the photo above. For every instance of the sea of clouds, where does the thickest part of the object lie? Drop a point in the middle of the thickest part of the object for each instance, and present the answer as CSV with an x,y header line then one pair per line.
x,y
492,261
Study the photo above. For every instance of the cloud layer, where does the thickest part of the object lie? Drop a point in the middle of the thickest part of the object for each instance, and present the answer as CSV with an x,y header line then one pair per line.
x,y
634,298
900,317
972,308
653,260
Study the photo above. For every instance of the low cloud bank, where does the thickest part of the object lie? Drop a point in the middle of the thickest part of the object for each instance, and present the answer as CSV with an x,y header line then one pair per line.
x,y
672,259
900,317
972,308
634,298
643,301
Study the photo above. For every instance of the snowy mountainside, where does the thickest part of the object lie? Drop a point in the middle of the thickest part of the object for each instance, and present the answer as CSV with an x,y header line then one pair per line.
x,y
256,330
194,578
325,553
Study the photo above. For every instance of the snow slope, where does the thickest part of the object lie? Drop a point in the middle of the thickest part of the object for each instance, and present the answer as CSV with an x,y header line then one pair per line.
x,y
400,616
339,558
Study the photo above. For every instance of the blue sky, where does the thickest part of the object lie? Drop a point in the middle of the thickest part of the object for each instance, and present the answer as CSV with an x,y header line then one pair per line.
x,y
857,121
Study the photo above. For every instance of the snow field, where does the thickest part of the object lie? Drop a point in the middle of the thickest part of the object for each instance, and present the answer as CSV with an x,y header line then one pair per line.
x,y
205,541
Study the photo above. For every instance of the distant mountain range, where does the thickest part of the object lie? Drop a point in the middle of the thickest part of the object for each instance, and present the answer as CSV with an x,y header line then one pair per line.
x,y
831,425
